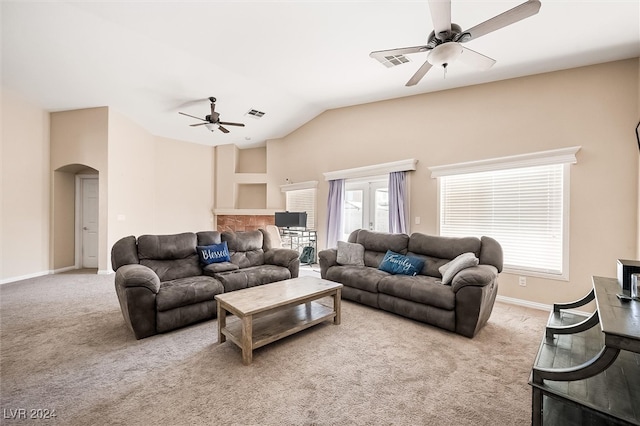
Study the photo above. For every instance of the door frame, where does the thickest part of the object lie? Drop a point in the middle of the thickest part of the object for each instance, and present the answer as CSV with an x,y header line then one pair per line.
x,y
78,218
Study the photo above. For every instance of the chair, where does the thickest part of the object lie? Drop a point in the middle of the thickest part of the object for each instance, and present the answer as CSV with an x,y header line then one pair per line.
x,y
274,236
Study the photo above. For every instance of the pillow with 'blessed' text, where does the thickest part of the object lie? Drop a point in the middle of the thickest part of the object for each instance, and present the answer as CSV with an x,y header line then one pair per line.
x,y
214,253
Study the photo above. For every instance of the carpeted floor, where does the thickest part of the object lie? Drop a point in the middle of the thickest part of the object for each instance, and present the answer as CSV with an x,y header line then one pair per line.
x,y
65,347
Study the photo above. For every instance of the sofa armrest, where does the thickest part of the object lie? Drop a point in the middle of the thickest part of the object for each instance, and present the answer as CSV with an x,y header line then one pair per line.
x,y
478,276
137,276
327,259
137,287
285,257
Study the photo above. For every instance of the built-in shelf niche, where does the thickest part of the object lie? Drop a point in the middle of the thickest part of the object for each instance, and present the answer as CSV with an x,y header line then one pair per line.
x,y
251,160
251,196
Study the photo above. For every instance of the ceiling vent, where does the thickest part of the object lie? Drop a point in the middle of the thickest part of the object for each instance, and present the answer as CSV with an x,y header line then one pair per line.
x,y
255,113
394,60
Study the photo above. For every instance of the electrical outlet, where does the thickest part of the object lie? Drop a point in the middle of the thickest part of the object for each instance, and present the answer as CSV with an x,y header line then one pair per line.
x,y
522,281
417,220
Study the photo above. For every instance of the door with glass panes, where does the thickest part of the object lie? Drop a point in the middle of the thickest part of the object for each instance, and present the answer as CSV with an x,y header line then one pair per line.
x,y
366,206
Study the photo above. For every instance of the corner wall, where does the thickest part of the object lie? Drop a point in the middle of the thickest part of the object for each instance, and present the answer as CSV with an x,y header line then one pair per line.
x,y
595,107
24,188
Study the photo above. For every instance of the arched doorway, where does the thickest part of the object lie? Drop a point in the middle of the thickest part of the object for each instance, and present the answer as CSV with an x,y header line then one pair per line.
x,y
75,217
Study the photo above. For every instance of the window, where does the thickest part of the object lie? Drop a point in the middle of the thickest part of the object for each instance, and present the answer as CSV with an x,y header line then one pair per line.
x,y
302,200
366,206
522,203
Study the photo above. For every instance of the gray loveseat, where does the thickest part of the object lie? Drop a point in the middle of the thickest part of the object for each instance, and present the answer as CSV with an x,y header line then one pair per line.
x,y
463,306
161,284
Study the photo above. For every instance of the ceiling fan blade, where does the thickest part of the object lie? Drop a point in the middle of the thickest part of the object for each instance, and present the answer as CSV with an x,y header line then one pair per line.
x,y
475,59
511,16
197,124
223,130
419,74
441,16
227,123
192,116
386,57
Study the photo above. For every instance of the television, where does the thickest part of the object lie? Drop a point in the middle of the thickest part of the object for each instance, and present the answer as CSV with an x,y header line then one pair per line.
x,y
291,219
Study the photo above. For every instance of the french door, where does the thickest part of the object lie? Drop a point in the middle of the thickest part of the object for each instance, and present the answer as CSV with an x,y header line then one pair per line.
x,y
366,206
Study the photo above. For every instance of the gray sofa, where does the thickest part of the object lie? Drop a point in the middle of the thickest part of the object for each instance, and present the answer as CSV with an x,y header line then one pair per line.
x,y
161,284
464,306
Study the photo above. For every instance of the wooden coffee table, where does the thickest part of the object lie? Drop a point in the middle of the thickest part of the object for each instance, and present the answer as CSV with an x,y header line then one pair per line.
x,y
270,312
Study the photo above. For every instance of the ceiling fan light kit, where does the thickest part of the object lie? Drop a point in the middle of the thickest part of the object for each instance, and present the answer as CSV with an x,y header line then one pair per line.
x,y
212,121
444,54
444,42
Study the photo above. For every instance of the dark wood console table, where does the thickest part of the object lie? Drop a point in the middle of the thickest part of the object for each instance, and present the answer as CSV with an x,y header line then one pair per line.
x,y
585,374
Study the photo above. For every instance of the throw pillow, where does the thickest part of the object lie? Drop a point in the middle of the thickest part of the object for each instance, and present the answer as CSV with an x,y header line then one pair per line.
x,y
463,261
396,263
214,253
350,254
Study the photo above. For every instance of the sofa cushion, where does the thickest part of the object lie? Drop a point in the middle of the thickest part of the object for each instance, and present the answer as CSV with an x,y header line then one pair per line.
x,y
396,263
252,276
215,268
350,254
443,247
382,241
420,289
214,253
361,277
168,270
245,247
166,247
449,270
206,238
186,291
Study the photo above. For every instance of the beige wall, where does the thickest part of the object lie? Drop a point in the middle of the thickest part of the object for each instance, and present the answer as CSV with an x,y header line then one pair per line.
x,y
595,107
156,185
79,138
24,188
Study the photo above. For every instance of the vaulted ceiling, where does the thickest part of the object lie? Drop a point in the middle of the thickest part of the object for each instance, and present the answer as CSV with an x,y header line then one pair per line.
x,y
291,59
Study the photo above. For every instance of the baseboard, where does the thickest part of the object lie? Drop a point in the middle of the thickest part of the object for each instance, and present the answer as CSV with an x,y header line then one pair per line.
x,y
24,277
535,305
65,269
104,271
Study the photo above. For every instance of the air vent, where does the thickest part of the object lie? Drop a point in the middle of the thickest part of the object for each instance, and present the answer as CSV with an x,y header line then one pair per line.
x,y
394,60
255,113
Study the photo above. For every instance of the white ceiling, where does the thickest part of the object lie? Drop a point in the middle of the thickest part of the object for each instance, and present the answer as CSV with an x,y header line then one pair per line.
x,y
290,59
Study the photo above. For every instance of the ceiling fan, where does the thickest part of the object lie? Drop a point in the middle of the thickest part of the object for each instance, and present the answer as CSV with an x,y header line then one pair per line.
x,y
212,121
444,43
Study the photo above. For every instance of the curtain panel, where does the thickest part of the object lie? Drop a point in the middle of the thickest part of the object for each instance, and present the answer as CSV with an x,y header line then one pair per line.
x,y
335,205
398,214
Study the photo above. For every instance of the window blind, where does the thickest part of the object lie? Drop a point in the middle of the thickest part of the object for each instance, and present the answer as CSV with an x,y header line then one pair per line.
x,y
522,208
303,200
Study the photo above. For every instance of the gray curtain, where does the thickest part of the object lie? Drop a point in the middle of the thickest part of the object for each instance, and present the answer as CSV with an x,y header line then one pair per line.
x,y
335,205
398,214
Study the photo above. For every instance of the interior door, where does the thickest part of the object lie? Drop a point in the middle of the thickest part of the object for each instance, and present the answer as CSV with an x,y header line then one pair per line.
x,y
89,222
366,207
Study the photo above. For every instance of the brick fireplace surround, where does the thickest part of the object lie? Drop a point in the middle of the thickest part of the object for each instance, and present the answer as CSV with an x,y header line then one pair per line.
x,y
243,222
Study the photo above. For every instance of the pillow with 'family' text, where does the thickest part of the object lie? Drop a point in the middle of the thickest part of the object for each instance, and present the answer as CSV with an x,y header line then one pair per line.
x,y
396,263
214,253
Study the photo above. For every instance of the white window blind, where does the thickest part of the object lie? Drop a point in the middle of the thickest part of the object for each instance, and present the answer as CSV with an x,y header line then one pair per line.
x,y
303,200
522,208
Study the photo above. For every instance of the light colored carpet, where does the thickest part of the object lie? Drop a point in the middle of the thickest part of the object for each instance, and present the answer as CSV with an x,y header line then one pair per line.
x,y
64,346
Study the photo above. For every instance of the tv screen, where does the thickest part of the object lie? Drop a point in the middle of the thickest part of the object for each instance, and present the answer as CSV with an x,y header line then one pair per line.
x,y
291,219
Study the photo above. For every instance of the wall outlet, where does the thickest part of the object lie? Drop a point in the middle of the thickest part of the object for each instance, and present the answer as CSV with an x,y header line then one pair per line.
x,y
522,281
417,220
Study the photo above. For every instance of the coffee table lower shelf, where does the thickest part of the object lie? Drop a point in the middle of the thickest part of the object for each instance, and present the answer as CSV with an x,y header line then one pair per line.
x,y
279,324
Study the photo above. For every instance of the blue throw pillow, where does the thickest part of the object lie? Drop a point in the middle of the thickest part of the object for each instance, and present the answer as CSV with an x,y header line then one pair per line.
x,y
214,253
395,263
